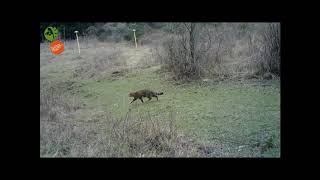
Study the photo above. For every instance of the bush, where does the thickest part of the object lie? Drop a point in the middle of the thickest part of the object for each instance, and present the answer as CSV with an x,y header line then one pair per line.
x,y
53,103
109,137
270,54
216,50
156,25
92,31
121,31
187,50
109,31
128,37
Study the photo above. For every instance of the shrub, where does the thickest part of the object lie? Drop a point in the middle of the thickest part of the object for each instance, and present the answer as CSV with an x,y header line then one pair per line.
x,y
270,54
109,137
216,50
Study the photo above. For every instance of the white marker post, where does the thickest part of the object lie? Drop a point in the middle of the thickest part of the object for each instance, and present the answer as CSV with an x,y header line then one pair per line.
x,y
135,39
78,41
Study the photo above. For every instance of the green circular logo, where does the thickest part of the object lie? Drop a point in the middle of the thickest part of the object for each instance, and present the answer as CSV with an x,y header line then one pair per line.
x,y
51,33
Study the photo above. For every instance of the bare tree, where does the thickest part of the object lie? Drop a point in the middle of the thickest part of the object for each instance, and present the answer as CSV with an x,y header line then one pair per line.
x,y
222,50
186,50
270,56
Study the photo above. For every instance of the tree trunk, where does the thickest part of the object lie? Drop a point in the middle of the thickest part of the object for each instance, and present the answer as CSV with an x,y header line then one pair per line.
x,y
192,47
192,41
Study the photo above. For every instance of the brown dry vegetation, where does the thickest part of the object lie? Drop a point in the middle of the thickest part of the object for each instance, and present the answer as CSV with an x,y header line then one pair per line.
x,y
81,114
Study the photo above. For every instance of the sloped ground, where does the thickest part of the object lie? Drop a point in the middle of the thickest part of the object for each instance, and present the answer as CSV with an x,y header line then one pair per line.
x,y
228,119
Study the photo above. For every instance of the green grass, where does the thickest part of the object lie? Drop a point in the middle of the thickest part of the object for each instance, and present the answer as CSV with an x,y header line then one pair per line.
x,y
224,115
223,112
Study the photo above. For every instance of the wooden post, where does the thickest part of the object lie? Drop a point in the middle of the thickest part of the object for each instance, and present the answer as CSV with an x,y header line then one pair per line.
x,y
135,39
77,41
